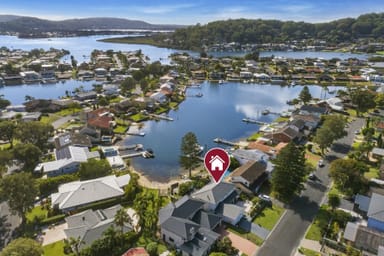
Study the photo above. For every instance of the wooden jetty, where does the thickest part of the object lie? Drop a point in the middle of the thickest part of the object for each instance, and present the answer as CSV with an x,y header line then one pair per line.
x,y
253,121
225,142
162,117
145,154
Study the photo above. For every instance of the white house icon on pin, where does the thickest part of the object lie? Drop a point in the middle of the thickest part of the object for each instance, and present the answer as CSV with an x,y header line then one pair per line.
x,y
216,163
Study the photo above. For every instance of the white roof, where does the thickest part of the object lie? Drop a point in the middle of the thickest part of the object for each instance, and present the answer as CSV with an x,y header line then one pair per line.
x,y
351,231
78,193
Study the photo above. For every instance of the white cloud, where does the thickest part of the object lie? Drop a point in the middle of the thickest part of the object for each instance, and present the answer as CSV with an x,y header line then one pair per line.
x,y
163,9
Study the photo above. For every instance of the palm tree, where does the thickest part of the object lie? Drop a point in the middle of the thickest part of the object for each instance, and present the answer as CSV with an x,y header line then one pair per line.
x,y
75,244
121,218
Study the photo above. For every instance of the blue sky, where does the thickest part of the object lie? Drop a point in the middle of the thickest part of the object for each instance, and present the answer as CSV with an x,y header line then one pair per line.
x,y
192,12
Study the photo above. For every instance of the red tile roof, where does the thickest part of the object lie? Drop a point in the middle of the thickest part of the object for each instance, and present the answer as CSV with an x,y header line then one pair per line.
x,y
138,251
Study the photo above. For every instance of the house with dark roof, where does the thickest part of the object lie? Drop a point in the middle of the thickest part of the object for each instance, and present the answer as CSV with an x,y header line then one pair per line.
x,y
220,198
188,227
90,225
286,134
375,212
252,174
311,122
312,110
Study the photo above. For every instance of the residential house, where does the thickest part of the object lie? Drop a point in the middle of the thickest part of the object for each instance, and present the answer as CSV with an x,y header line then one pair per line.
x,y
312,110
137,251
335,104
380,126
311,122
246,155
73,195
82,96
199,75
251,175
221,198
286,134
364,238
375,212
101,119
159,97
90,225
68,160
188,227
378,153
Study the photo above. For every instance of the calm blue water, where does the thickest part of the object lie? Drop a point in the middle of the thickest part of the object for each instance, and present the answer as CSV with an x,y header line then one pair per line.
x,y
217,114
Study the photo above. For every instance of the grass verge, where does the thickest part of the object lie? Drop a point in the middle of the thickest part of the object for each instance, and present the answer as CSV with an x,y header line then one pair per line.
x,y
269,217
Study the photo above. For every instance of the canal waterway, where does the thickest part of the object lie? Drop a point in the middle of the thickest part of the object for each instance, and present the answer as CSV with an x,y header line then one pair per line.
x,y
218,113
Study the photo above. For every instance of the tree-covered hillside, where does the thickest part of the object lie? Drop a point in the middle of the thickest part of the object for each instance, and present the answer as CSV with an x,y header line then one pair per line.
x,y
274,31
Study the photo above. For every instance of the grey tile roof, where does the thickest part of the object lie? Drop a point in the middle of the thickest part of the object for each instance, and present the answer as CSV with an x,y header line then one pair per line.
x,y
351,231
206,219
79,193
188,209
200,245
230,211
183,228
90,225
214,193
376,207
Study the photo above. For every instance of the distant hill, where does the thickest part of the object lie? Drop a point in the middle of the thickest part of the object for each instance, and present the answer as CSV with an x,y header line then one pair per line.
x,y
275,31
21,24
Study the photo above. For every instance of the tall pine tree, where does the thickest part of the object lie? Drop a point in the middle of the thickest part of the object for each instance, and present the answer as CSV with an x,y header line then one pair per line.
x,y
289,172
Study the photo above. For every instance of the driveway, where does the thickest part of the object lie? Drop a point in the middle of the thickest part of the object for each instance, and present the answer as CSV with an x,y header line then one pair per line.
x,y
54,234
9,223
287,235
253,228
240,243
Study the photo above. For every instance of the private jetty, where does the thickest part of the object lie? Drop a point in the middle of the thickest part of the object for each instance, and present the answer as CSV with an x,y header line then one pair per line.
x,y
253,121
225,142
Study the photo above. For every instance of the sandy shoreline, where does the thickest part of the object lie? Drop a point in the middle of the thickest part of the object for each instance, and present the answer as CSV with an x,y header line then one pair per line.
x,y
145,181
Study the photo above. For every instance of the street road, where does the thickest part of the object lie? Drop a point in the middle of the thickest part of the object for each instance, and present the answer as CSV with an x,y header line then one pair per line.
x,y
286,236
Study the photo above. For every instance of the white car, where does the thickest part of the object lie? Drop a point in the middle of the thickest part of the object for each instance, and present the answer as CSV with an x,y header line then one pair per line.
x,y
320,163
265,198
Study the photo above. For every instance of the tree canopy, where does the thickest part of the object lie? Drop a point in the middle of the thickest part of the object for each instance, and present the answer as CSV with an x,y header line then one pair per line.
x,y
94,169
34,132
189,151
245,31
289,173
23,247
363,99
348,175
20,191
331,130
305,96
28,154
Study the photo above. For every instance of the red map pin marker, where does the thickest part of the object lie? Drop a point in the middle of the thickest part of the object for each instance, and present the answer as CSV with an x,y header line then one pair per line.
x,y
216,161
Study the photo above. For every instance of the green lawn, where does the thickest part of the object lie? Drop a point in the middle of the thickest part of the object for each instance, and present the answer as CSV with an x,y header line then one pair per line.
x,y
312,158
49,119
120,129
36,212
373,173
352,112
281,119
247,235
269,217
161,110
254,136
321,221
308,252
173,104
68,111
138,117
56,249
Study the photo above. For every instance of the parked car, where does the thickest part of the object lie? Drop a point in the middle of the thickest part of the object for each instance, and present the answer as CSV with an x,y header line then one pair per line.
x,y
320,163
312,176
265,198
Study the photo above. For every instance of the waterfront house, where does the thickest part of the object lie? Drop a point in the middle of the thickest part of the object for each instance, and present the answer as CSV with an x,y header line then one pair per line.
x,y
312,110
137,251
101,119
286,134
185,225
30,77
90,225
159,97
310,121
252,175
68,160
82,96
220,198
198,75
73,195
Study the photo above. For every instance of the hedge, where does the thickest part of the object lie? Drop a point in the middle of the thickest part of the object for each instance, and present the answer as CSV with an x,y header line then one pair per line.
x,y
53,219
